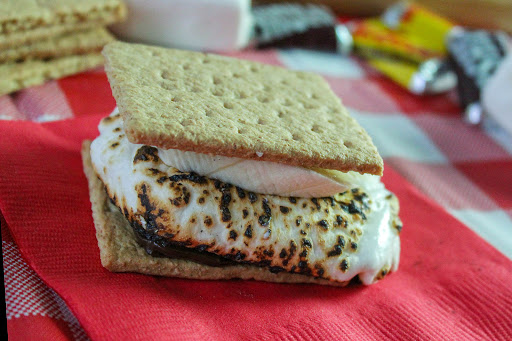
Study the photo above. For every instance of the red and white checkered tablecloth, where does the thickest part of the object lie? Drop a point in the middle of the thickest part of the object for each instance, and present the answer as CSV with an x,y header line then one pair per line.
x,y
465,169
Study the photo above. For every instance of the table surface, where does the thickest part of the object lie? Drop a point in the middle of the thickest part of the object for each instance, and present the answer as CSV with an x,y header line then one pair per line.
x,y
465,169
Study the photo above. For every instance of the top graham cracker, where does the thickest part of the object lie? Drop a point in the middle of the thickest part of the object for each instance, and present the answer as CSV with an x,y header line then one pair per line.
x,y
218,105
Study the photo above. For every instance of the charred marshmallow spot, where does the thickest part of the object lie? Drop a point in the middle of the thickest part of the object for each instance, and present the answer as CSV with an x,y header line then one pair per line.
x,y
240,192
252,197
306,243
383,272
248,231
319,270
225,200
298,221
340,221
192,177
182,196
208,222
148,209
233,235
338,248
344,265
110,119
323,224
146,153
283,253
315,202
265,218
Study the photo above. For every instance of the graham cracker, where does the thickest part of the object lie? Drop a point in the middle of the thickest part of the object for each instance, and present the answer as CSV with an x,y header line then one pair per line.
x,y
119,251
25,21
16,76
80,42
213,104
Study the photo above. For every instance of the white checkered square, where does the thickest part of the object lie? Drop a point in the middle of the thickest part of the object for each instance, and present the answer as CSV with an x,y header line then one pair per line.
x,y
27,295
8,110
493,226
459,141
449,187
43,103
331,64
498,134
395,135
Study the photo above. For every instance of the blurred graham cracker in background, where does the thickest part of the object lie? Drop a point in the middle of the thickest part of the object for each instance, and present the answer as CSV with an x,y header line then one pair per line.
x,y
42,40
63,45
24,21
16,76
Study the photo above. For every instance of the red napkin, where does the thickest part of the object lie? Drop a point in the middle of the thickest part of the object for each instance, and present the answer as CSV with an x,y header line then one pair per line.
x,y
451,284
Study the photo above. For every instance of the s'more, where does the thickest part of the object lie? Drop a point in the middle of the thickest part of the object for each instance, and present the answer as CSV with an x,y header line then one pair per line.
x,y
215,168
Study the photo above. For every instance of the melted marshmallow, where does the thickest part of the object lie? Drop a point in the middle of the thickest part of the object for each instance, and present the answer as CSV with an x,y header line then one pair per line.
x,y
378,246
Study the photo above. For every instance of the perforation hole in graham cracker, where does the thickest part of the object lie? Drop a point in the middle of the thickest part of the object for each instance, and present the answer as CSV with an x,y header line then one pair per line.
x,y
287,102
241,95
264,99
316,128
297,137
187,122
167,86
217,92
310,105
166,74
